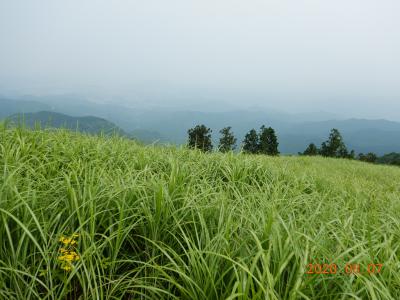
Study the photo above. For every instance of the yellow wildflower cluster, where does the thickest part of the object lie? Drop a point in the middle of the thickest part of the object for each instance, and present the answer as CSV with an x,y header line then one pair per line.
x,y
68,241
68,252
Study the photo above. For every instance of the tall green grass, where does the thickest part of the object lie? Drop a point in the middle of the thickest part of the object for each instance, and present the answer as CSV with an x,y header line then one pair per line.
x,y
170,223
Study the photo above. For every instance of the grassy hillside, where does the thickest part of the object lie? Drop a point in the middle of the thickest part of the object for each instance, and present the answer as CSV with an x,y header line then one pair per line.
x,y
87,124
169,223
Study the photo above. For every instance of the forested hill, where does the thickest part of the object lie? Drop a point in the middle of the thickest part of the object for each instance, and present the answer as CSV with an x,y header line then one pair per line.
x,y
87,124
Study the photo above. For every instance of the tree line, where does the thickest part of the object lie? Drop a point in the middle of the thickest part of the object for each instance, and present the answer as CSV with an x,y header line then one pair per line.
x,y
265,141
335,147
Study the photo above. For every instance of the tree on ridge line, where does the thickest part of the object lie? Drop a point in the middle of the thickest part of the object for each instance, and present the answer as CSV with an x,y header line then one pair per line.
x,y
266,142
200,138
227,142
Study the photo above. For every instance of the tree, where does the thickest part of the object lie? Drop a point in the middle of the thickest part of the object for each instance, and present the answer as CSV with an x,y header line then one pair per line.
x,y
335,147
331,147
324,150
390,159
352,155
311,150
250,142
369,157
268,141
263,140
342,151
200,138
227,141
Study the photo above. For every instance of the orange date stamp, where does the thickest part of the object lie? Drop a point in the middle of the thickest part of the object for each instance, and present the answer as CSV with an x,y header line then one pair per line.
x,y
349,269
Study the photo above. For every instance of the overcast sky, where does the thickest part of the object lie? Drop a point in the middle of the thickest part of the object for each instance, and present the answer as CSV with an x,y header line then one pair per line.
x,y
341,56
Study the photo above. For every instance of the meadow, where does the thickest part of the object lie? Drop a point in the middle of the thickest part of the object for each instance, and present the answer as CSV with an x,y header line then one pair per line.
x,y
94,217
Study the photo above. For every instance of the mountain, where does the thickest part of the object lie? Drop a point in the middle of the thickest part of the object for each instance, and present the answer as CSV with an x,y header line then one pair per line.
x,y
10,107
70,104
87,124
160,124
378,136
148,136
170,120
349,125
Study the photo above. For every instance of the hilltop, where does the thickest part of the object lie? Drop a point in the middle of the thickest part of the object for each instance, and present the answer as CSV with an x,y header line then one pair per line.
x,y
87,124
168,223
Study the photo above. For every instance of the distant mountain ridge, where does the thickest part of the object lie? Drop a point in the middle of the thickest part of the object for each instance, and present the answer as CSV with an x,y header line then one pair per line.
x,y
362,135
87,124
9,107
295,131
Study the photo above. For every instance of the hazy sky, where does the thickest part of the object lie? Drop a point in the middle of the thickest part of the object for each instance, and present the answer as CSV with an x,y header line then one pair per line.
x,y
334,55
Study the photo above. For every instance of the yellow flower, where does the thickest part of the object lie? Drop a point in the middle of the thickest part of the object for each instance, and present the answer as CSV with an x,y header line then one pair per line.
x,y
69,256
68,241
68,253
67,268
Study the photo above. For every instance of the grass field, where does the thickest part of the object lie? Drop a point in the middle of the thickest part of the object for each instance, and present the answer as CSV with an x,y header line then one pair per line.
x,y
169,223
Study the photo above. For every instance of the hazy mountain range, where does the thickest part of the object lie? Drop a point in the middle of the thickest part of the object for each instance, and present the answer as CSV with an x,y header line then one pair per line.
x,y
49,119
295,131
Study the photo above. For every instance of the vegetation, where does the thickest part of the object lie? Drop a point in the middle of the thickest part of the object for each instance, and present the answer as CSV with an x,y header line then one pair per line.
x,y
266,142
48,119
311,150
369,157
167,223
227,142
335,147
390,159
251,142
170,125
200,138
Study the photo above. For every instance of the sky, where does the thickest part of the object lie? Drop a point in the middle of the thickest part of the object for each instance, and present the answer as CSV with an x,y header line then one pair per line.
x,y
338,56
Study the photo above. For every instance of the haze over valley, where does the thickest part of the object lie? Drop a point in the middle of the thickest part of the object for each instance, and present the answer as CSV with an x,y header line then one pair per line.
x,y
169,125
